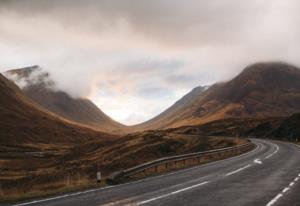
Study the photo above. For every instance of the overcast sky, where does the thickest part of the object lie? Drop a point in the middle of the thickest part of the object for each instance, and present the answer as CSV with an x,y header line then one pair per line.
x,y
134,58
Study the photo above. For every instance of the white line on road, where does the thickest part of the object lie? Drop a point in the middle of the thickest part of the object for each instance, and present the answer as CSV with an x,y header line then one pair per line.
x,y
172,193
272,202
257,161
238,170
276,150
285,189
275,199
267,157
62,196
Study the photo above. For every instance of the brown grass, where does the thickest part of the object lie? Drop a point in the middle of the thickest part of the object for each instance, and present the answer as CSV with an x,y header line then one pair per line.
x,y
65,169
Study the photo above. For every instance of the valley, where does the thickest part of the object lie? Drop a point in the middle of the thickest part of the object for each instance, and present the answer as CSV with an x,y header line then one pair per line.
x,y
46,151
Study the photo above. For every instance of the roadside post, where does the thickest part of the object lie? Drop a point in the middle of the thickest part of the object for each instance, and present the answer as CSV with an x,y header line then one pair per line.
x,y
98,175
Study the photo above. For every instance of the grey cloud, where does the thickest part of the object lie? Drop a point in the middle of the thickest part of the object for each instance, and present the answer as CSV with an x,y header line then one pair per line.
x,y
154,92
119,51
172,22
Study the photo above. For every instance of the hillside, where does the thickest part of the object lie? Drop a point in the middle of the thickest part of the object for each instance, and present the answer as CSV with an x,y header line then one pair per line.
x,y
259,91
282,128
38,85
289,129
23,121
180,106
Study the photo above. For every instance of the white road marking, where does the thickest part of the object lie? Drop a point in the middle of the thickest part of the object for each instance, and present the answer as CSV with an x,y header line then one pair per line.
x,y
238,170
257,161
62,196
276,150
267,157
172,193
275,199
163,190
285,189
291,184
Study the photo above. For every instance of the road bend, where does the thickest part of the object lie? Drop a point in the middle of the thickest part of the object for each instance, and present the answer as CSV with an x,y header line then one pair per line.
x,y
268,175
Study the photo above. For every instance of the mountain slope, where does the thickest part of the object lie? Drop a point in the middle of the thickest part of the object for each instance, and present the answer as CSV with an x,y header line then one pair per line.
x,y
23,121
37,85
282,128
180,106
260,90
290,128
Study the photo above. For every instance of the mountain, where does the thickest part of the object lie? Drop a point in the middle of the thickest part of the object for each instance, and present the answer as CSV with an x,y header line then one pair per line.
x,y
23,121
176,109
38,85
261,90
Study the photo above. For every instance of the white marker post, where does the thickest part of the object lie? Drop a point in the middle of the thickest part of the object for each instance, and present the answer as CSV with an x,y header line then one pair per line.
x,y
98,176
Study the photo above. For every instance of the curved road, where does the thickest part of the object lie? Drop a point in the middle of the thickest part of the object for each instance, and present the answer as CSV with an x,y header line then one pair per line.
x,y
268,175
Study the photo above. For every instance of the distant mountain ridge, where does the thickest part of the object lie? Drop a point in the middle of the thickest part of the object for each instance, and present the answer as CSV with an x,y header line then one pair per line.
x,y
178,107
260,90
38,85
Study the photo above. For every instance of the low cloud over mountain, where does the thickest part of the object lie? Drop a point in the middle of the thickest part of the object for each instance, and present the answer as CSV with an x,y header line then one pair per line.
x,y
38,85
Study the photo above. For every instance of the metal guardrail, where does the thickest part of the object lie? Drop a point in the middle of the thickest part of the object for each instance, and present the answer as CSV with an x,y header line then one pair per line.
x,y
166,160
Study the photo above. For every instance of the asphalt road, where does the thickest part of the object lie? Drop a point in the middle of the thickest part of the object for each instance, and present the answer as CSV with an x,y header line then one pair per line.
x,y
268,175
